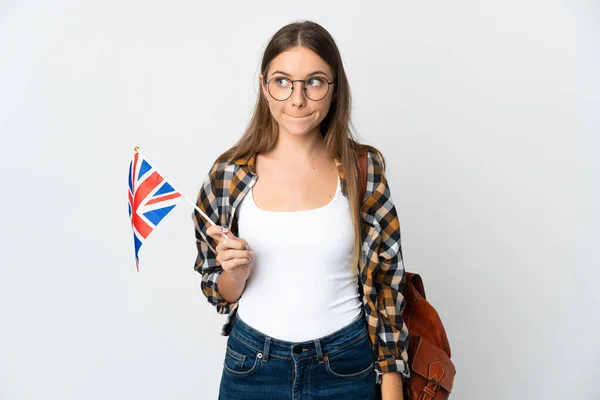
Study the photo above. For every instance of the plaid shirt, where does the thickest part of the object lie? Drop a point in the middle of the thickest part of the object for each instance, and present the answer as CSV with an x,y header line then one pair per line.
x,y
381,265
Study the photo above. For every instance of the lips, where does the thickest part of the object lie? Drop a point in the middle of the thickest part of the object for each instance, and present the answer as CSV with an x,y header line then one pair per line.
x,y
299,117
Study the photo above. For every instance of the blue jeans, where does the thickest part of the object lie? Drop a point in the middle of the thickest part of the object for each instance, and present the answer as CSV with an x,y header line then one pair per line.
x,y
337,366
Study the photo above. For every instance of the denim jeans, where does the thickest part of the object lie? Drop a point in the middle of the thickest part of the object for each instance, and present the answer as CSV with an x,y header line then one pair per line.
x,y
337,366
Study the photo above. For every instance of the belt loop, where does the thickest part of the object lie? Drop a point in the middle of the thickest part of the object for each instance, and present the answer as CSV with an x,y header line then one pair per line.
x,y
266,349
319,350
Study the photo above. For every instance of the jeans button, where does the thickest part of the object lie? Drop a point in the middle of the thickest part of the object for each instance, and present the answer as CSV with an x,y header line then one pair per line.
x,y
297,349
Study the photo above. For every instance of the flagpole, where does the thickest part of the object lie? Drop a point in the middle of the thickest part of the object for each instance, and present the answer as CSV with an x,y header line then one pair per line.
x,y
137,150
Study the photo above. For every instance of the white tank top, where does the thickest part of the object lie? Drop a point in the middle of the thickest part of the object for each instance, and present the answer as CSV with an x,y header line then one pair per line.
x,y
301,286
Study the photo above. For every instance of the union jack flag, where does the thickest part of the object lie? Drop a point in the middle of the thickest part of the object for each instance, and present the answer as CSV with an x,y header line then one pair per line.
x,y
151,198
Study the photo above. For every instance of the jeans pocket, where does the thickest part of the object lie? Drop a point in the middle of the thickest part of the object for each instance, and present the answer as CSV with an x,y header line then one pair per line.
x,y
351,362
240,359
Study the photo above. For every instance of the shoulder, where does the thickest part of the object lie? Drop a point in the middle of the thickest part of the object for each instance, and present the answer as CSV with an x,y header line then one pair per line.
x,y
378,191
219,167
221,171
230,163
227,174
375,164
373,154
216,179
376,157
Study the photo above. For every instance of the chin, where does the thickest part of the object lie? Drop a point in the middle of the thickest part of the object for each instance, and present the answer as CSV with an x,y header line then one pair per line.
x,y
298,130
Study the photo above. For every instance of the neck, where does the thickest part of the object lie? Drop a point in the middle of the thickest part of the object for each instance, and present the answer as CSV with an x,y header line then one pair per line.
x,y
298,148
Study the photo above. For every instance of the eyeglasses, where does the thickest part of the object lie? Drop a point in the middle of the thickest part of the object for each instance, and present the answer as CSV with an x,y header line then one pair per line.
x,y
315,88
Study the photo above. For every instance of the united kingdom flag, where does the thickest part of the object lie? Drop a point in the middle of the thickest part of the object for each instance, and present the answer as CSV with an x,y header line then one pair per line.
x,y
151,198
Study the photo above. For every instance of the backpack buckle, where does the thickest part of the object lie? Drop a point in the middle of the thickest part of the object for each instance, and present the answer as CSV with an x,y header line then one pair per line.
x,y
378,375
435,381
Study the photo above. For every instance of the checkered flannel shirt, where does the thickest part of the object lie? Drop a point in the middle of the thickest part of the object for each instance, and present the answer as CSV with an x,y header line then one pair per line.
x,y
381,264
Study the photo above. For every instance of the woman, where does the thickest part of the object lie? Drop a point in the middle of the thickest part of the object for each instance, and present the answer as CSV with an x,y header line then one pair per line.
x,y
293,238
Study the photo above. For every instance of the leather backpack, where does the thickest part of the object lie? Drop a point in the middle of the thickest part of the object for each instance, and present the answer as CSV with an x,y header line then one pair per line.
x,y
431,371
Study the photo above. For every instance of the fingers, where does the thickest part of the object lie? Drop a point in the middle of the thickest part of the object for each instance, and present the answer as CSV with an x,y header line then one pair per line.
x,y
235,244
231,251
231,254
216,232
235,262
231,259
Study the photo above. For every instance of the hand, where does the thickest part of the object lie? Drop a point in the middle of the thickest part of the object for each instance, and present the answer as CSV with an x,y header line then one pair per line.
x,y
233,253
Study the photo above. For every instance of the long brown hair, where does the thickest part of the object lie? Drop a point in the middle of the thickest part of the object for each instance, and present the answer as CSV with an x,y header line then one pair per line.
x,y
336,128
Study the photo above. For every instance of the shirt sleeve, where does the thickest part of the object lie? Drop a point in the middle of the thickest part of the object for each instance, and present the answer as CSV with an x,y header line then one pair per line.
x,y
389,279
206,260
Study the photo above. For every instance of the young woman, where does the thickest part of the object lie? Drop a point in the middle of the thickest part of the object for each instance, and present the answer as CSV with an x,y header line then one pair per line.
x,y
309,272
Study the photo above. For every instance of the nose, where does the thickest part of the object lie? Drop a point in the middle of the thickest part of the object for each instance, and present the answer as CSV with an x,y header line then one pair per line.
x,y
298,96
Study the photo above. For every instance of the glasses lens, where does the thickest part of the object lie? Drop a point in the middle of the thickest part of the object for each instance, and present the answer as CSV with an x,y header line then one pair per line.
x,y
316,88
280,88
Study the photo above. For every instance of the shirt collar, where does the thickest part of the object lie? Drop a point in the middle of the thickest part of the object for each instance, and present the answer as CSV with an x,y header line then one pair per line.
x,y
248,161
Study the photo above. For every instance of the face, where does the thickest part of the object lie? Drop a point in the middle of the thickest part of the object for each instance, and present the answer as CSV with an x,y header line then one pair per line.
x,y
298,115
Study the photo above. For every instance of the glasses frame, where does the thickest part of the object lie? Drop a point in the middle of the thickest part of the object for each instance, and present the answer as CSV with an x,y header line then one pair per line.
x,y
303,86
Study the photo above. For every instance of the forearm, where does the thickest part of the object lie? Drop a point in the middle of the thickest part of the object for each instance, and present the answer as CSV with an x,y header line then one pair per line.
x,y
230,289
391,386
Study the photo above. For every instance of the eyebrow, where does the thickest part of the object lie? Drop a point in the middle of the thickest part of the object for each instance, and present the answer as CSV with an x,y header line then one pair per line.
x,y
288,75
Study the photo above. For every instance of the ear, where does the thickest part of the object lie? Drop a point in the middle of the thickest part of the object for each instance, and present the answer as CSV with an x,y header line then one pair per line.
x,y
263,87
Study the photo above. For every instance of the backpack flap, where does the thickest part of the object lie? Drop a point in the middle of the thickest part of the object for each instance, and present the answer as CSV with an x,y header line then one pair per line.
x,y
417,282
432,362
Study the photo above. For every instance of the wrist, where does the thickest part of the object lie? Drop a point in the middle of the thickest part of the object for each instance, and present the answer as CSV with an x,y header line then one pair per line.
x,y
392,386
230,288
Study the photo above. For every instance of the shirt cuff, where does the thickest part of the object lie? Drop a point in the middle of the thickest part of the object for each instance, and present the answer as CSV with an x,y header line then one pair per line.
x,y
392,365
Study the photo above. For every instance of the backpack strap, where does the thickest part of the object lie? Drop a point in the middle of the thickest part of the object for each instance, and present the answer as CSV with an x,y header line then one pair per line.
x,y
361,163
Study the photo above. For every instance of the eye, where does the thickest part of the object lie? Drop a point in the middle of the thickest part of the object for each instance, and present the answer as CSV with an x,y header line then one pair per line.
x,y
282,82
316,81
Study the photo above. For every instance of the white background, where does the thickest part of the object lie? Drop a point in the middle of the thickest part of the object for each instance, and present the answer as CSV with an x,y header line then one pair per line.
x,y
487,113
